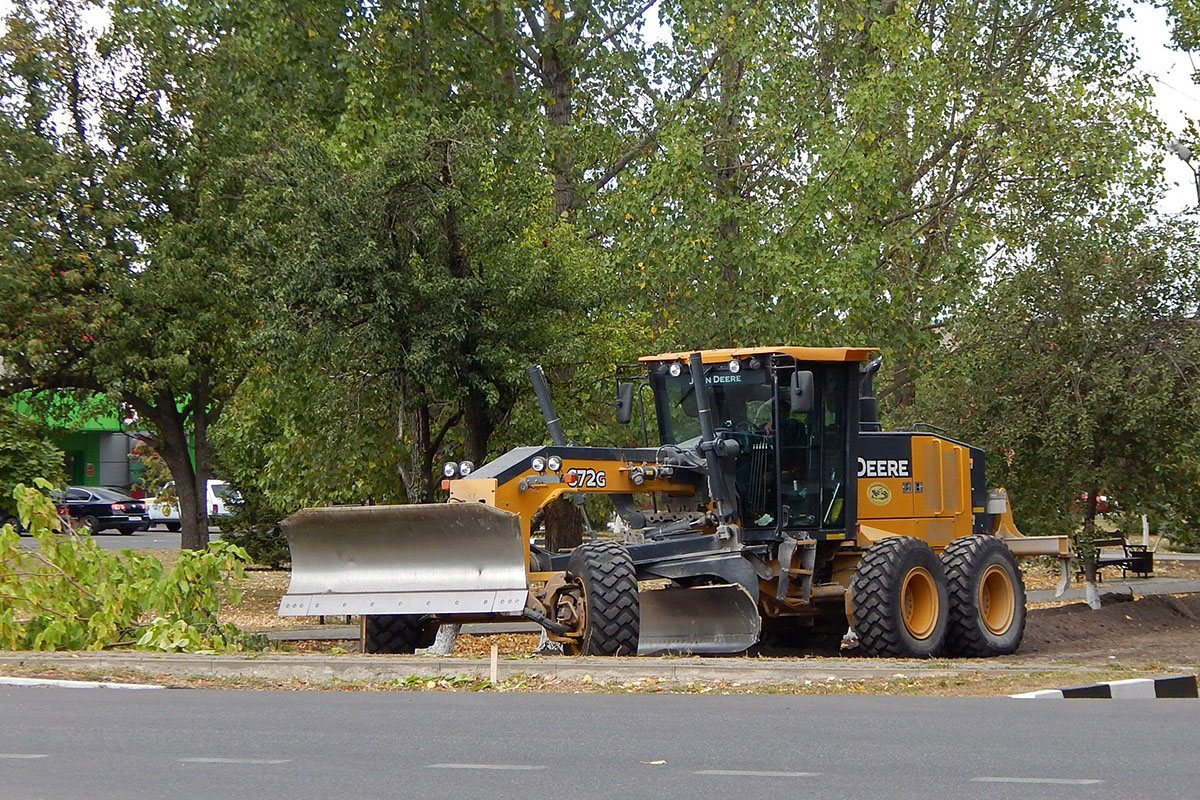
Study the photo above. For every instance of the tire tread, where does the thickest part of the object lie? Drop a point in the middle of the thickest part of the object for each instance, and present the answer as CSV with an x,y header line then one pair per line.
x,y
876,595
613,612
961,560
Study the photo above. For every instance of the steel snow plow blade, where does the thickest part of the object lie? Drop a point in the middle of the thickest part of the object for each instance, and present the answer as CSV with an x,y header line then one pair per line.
x,y
453,558
703,619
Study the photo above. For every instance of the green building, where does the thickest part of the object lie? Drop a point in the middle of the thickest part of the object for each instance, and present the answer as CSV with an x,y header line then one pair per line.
x,y
96,444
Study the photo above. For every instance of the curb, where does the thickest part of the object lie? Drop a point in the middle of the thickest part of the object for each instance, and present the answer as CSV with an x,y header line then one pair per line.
x,y
600,668
1173,686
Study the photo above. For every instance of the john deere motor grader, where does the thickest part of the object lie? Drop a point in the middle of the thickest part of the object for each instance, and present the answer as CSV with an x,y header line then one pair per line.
x,y
774,507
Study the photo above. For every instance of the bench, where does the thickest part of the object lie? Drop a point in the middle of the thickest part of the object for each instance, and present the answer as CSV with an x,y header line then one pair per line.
x,y
1135,558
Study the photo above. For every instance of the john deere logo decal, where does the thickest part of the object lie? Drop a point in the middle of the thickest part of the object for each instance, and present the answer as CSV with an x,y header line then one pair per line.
x,y
878,494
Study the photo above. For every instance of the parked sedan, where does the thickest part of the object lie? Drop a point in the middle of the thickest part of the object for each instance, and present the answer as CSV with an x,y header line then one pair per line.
x,y
101,509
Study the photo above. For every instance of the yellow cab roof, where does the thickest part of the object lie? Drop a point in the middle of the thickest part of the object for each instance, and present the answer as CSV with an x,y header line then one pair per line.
x,y
799,353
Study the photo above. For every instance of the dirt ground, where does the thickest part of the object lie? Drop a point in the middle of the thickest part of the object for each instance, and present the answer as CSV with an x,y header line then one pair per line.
x,y
1161,628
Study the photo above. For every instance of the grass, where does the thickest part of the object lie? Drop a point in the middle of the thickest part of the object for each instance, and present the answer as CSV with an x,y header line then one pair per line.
x,y
969,684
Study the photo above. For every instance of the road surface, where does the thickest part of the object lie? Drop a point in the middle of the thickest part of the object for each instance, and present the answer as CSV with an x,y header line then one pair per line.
x,y
153,539
196,744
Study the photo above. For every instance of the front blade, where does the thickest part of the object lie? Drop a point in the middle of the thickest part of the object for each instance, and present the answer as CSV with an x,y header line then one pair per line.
x,y
452,558
702,619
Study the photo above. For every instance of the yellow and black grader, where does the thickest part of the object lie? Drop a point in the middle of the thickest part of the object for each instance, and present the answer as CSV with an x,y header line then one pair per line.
x,y
774,508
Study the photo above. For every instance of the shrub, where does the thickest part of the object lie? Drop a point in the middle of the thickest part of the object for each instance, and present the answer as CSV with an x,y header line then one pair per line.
x,y
70,594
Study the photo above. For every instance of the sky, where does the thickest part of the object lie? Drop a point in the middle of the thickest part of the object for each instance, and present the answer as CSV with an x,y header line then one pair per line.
x,y
1176,96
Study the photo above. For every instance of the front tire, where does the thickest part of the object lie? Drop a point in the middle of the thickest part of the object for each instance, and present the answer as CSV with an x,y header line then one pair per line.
x,y
174,527
397,633
612,619
987,598
900,599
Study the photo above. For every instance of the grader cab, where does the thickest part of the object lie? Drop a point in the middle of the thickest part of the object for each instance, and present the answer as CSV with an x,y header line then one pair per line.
x,y
772,508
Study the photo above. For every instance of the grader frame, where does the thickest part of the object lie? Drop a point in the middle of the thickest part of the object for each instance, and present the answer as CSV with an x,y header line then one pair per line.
x,y
780,511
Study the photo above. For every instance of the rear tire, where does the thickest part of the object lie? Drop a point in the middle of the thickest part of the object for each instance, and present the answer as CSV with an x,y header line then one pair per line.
x,y
987,598
174,527
397,633
128,531
604,570
91,523
16,523
900,599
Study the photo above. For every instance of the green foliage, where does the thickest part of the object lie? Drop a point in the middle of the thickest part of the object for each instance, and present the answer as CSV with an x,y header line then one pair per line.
x,y
25,453
70,594
1077,371
253,526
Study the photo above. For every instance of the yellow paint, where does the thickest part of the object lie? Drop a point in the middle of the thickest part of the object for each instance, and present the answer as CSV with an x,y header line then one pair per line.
x,y
722,355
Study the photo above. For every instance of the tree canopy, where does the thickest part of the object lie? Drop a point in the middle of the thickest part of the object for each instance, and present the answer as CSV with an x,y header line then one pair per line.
x,y
337,235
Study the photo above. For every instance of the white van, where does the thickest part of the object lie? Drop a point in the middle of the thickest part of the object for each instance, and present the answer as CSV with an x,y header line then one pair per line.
x,y
218,498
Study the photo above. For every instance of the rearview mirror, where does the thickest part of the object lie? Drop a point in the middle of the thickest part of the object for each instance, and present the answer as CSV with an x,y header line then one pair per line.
x,y
801,392
624,402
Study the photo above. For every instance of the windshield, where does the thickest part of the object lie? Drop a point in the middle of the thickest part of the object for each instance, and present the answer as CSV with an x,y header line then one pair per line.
x,y
741,401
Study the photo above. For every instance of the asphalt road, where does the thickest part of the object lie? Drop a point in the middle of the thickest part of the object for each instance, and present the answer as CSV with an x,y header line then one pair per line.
x,y
154,539
109,743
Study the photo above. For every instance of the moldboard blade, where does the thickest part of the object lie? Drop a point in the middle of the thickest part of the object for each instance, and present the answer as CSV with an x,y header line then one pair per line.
x,y
702,619
452,558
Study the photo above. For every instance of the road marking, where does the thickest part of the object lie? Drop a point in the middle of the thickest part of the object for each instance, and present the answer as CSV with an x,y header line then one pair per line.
x,y
6,680
755,773
24,755
1056,781
485,766
235,760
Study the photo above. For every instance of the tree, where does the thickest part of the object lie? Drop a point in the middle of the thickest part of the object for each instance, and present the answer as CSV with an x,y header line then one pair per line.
x,y
1078,371
128,269
852,167
25,453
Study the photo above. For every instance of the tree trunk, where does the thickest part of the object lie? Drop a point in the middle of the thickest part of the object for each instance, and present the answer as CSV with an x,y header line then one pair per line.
x,y
413,431
478,426
729,177
563,523
172,445
1087,550
197,538
556,81
500,34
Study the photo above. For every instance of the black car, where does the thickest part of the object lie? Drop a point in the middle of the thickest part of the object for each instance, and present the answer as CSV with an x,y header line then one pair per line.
x,y
8,517
101,509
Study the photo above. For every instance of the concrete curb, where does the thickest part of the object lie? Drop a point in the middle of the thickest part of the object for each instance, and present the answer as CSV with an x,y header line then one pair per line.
x,y
387,668
1138,587
1172,686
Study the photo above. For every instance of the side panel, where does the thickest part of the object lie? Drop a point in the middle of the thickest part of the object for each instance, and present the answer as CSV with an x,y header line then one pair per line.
x,y
914,484
885,476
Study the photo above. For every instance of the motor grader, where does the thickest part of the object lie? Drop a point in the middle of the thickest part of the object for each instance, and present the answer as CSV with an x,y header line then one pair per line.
x,y
773,508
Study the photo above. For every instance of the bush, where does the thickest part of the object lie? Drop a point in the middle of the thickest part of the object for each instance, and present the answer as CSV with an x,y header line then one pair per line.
x,y
72,595
253,525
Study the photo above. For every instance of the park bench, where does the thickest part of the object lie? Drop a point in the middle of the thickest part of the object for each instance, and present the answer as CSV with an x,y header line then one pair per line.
x,y
1135,558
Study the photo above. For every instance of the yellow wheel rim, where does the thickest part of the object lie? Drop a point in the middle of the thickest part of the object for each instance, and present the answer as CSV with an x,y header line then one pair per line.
x,y
997,600
919,602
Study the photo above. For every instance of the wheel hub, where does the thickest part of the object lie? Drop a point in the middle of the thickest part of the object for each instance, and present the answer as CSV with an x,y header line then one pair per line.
x,y
919,602
997,600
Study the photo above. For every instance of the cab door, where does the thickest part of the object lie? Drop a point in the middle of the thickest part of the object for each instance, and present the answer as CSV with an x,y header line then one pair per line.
x,y
813,452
